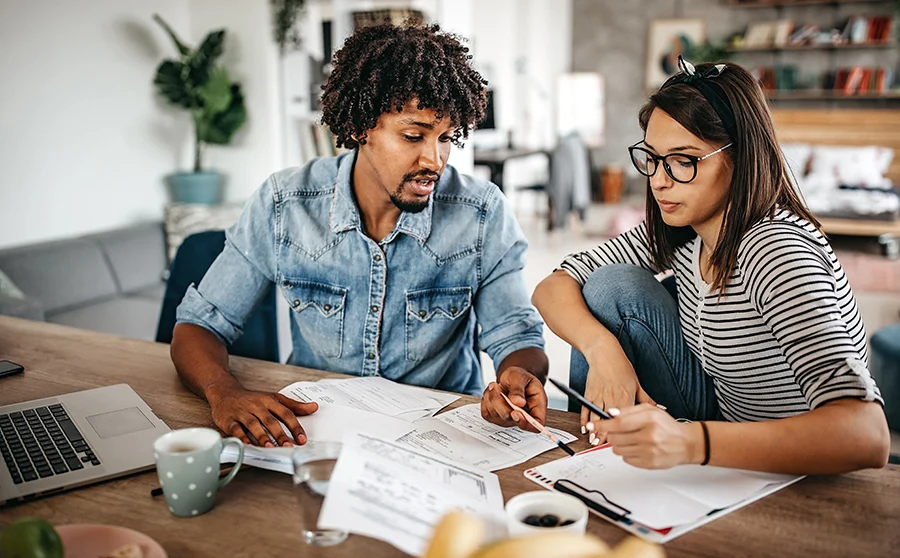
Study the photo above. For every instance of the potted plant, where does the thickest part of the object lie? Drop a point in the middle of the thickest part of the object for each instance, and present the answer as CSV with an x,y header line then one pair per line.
x,y
196,83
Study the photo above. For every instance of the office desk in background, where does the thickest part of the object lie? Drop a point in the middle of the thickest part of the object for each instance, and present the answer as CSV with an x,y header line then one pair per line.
x,y
495,159
256,515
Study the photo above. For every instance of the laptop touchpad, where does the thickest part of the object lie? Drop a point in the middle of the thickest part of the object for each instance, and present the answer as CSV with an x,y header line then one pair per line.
x,y
117,423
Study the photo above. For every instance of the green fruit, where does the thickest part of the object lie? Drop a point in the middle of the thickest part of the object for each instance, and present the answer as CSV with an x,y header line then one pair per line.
x,y
30,538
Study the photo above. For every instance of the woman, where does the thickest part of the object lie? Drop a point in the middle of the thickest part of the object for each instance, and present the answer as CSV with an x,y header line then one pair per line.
x,y
764,349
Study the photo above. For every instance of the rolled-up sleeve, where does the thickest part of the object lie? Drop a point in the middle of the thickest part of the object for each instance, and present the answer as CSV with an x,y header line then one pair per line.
x,y
507,320
238,279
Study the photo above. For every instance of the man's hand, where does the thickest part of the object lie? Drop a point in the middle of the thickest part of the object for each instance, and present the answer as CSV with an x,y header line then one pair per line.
x,y
524,390
648,437
255,416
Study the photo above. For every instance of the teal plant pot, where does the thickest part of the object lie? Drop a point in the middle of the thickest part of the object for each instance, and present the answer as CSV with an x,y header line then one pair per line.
x,y
196,187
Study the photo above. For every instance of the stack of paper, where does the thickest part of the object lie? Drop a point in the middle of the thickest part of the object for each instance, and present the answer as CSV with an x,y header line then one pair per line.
x,y
463,435
374,394
657,505
386,491
395,412
328,424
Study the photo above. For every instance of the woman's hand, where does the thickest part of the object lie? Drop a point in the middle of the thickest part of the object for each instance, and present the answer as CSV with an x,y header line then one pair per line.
x,y
648,437
611,383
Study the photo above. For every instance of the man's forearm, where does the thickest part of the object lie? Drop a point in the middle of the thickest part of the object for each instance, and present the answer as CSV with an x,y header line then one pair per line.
x,y
534,360
201,360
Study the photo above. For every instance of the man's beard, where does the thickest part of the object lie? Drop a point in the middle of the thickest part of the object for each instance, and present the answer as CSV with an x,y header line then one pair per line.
x,y
412,206
409,206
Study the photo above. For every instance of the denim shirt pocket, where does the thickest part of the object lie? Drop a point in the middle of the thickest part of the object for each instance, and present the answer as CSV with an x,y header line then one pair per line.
x,y
319,313
432,315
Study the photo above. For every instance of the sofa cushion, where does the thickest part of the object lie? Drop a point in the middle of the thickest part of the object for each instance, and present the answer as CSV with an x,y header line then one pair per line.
x,y
62,274
126,316
21,307
137,255
153,293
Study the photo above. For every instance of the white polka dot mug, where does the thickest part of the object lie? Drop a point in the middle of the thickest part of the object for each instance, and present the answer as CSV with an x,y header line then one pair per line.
x,y
187,462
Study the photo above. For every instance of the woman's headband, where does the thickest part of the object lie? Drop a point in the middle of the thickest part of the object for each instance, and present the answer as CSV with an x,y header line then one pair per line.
x,y
704,82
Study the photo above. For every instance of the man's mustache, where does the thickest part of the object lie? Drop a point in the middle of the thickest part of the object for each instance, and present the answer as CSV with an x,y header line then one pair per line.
x,y
421,175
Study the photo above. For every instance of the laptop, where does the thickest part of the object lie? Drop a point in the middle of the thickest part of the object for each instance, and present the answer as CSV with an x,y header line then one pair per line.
x,y
75,439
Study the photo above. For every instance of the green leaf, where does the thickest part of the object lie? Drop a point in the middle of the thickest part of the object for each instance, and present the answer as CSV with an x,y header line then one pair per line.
x,y
212,46
170,83
183,50
222,126
216,92
202,61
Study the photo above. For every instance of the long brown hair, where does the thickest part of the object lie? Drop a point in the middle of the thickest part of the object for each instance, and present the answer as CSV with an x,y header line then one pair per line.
x,y
760,183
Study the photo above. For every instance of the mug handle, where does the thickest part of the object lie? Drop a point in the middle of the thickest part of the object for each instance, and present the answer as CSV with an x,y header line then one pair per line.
x,y
237,464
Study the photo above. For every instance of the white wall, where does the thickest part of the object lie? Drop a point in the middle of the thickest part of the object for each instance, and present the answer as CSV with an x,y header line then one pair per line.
x,y
252,59
521,47
83,141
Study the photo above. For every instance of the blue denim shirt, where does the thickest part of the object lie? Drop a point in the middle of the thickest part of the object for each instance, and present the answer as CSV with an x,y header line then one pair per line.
x,y
406,308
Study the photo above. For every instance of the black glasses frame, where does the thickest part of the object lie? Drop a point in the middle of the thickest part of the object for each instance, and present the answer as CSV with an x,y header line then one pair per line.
x,y
665,163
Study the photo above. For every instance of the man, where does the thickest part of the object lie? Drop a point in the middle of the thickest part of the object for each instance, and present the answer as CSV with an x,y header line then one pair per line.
x,y
391,261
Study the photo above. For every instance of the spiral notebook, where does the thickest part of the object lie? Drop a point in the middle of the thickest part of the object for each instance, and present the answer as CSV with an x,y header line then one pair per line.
x,y
656,505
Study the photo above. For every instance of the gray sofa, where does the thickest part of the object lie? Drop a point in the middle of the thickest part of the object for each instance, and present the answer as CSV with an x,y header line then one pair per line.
x,y
111,281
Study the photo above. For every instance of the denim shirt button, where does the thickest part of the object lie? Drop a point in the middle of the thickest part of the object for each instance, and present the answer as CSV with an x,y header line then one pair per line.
x,y
375,308
327,307
454,310
296,303
370,356
377,257
422,313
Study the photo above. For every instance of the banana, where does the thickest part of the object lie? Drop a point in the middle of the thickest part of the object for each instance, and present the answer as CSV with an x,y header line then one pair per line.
x,y
458,535
556,545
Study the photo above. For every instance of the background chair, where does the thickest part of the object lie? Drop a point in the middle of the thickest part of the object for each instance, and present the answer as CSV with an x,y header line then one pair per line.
x,y
194,256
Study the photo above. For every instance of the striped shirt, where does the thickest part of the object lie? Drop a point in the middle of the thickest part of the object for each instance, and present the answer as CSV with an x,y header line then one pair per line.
x,y
785,337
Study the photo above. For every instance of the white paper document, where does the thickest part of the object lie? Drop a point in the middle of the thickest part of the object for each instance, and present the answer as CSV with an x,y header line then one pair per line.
x,y
463,435
661,498
330,423
374,394
386,491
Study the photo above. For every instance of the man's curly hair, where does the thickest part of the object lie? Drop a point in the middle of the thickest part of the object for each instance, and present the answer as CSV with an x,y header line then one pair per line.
x,y
381,68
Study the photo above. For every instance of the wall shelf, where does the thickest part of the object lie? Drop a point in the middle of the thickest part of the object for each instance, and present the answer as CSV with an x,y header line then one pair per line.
x,y
829,47
825,95
789,3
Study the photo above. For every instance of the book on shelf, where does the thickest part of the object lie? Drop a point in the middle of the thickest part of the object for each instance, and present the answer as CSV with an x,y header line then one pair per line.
x,y
861,30
854,77
782,32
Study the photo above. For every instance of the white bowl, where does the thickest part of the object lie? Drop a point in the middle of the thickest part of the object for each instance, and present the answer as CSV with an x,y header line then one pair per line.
x,y
542,502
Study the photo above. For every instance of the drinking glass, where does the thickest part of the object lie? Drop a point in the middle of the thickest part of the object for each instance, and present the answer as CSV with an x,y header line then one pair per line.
x,y
313,465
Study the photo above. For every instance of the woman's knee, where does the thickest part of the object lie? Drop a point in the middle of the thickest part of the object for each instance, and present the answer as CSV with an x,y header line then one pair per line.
x,y
613,287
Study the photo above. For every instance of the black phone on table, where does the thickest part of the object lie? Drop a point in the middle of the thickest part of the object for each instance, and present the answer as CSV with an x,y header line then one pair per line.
x,y
8,368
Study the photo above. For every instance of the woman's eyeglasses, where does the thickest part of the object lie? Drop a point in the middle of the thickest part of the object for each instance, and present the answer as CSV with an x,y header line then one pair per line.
x,y
679,166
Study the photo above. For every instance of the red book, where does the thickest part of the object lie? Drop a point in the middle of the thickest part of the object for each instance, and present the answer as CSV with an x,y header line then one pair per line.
x,y
840,79
853,79
864,81
880,85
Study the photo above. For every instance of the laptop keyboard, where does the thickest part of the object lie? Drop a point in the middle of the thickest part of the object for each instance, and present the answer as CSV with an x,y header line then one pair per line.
x,y
42,442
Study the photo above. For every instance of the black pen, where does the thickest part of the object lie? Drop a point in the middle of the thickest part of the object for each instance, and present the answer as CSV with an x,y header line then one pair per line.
x,y
580,398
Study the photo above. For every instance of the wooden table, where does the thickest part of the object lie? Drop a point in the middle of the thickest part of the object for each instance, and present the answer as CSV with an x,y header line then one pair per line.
x,y
849,515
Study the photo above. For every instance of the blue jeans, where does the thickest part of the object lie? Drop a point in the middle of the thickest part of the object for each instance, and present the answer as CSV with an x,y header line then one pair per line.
x,y
643,315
